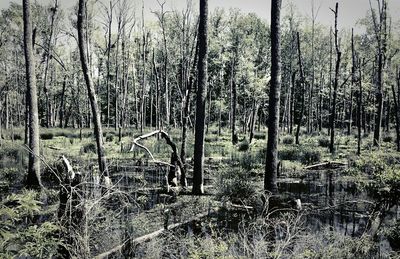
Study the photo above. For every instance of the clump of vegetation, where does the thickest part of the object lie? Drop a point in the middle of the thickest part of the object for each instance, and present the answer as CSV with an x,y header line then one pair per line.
x,y
244,145
17,136
28,239
324,142
288,140
259,135
47,135
289,153
310,156
393,236
235,186
89,148
109,138
387,138
11,152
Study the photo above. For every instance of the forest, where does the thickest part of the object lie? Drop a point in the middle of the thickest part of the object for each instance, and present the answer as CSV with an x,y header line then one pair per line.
x,y
129,131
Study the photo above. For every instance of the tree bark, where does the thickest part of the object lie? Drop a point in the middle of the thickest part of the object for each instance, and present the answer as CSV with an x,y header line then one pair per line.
x,y
335,84
396,108
271,164
303,88
201,97
33,180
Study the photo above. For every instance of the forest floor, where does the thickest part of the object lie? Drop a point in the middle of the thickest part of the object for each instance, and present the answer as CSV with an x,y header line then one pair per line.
x,y
347,206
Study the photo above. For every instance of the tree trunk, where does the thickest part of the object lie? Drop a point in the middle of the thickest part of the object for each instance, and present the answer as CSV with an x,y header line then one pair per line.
x,y
359,107
33,179
335,84
91,93
396,109
303,88
271,164
201,97
381,35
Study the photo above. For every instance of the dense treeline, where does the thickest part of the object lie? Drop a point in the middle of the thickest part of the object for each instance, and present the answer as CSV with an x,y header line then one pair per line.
x,y
143,71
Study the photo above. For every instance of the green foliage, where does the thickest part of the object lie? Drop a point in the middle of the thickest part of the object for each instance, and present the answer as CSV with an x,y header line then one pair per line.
x,y
235,186
289,153
371,164
17,136
310,156
89,148
20,237
244,145
109,138
329,244
393,236
324,142
288,140
259,135
11,151
46,136
305,155
387,138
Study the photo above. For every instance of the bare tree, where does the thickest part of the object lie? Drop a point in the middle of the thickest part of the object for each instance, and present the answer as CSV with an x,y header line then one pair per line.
x,y
271,165
381,40
201,97
33,179
91,91
335,84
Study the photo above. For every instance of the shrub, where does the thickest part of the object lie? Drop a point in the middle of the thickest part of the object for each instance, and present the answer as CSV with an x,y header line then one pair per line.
x,y
324,142
47,136
244,145
288,140
211,138
17,137
387,138
393,236
310,156
109,138
235,186
248,161
289,153
259,135
89,148
13,152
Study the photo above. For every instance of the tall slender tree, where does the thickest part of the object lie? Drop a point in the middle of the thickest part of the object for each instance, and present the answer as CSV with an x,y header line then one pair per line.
x,y
271,165
201,97
98,132
33,179
335,83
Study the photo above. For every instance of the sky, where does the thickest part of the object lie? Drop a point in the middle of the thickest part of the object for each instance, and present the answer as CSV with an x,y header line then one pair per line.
x,y
350,11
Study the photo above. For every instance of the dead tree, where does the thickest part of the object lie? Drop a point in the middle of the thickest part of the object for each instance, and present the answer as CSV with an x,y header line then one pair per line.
x,y
201,96
396,100
381,39
302,83
271,163
175,158
98,132
335,84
